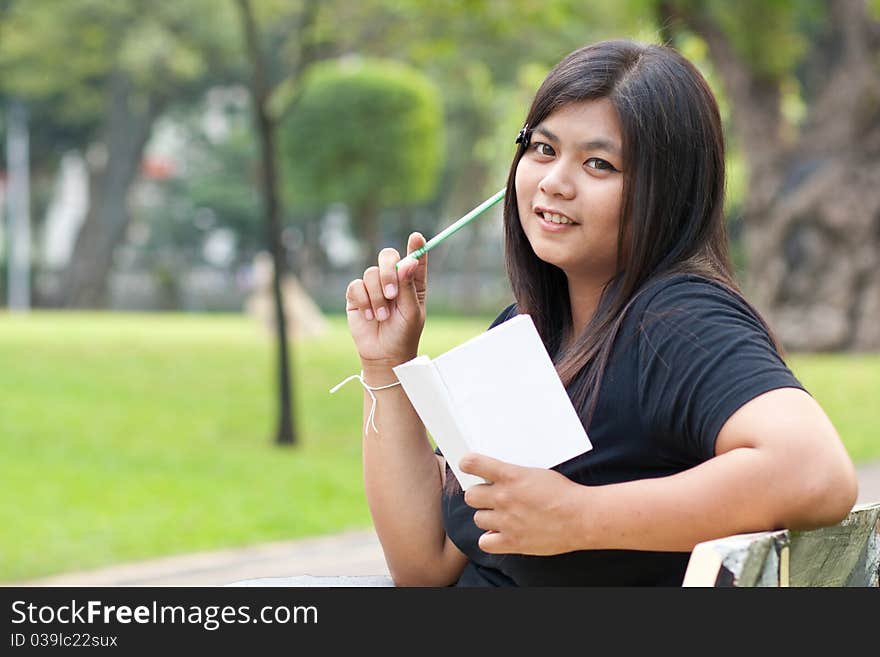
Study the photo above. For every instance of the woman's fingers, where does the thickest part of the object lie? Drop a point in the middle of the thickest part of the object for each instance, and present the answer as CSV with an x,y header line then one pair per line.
x,y
384,286
357,299
488,519
387,273
378,303
413,278
420,271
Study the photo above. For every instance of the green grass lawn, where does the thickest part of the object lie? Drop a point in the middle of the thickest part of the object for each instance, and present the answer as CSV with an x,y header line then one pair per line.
x,y
128,436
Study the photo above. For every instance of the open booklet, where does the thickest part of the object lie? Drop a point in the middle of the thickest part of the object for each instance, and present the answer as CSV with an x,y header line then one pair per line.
x,y
497,394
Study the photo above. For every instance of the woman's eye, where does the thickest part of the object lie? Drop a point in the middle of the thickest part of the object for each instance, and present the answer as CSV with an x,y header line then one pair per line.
x,y
543,149
599,163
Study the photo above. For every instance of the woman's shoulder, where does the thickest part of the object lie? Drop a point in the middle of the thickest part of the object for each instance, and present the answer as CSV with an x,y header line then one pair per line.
x,y
688,305
679,296
687,294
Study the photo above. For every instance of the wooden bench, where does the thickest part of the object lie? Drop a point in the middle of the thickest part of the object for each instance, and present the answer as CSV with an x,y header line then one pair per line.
x,y
845,554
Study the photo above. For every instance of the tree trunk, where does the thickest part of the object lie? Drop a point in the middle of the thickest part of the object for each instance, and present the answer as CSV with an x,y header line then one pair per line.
x,y
814,253
812,218
285,430
125,136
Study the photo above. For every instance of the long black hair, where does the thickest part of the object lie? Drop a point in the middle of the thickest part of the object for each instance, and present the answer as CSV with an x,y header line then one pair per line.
x,y
671,219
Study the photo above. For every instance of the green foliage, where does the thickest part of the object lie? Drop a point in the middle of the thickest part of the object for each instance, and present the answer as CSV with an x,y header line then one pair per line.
x,y
65,51
58,57
772,36
363,131
489,58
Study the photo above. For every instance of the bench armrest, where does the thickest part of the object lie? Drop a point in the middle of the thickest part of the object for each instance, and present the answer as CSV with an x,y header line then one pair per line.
x,y
845,554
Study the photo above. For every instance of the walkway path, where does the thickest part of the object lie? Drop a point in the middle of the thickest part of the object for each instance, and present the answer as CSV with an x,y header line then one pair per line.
x,y
347,553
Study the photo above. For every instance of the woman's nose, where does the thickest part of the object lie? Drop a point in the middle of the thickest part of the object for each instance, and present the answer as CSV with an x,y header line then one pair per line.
x,y
557,182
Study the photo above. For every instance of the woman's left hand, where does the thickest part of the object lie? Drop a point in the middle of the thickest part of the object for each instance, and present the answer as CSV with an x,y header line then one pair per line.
x,y
524,510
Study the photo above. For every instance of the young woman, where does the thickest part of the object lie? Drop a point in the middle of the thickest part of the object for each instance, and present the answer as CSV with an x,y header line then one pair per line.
x,y
616,246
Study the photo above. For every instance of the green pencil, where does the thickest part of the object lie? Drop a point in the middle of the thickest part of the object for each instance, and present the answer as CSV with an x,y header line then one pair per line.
x,y
461,223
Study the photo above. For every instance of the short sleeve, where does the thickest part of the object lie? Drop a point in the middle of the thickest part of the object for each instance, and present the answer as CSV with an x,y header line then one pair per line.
x,y
703,354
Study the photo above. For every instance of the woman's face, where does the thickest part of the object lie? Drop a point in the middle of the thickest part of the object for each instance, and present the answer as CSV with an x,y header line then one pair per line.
x,y
571,172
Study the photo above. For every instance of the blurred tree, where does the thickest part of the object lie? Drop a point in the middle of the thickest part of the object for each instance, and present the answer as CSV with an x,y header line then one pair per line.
x,y
212,192
368,133
222,180
294,25
803,79
106,70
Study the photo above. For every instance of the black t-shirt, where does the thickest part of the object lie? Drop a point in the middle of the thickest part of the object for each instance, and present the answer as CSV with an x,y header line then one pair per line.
x,y
688,355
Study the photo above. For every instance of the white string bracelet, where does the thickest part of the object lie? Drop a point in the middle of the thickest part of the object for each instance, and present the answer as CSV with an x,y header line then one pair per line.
x,y
369,389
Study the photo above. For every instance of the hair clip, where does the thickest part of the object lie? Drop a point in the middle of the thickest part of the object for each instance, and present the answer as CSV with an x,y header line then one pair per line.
x,y
525,136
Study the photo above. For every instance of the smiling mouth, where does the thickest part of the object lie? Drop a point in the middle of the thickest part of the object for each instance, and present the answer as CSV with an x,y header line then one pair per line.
x,y
555,219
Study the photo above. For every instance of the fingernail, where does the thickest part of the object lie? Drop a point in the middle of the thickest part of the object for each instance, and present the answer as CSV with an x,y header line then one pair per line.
x,y
390,290
368,314
382,314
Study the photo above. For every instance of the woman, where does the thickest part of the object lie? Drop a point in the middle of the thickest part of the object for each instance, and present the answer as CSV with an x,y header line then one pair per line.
x,y
616,246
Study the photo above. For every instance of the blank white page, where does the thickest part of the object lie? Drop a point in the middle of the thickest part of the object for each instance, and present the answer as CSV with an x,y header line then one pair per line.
x,y
509,400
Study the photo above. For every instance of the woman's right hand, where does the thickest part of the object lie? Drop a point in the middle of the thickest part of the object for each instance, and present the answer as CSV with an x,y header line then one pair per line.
x,y
386,308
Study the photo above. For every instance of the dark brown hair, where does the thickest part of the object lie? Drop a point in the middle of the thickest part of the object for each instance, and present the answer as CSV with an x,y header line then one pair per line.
x,y
673,195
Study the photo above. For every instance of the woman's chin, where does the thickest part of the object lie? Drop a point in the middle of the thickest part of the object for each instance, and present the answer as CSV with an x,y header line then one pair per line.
x,y
551,257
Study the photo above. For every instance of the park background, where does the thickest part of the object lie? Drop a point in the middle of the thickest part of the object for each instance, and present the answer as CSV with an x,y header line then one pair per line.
x,y
161,161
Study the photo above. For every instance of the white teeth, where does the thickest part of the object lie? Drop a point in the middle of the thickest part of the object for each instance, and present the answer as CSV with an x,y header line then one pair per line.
x,y
556,218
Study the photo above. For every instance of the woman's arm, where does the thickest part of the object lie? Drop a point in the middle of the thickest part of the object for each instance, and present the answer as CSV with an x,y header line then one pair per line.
x,y
402,480
779,463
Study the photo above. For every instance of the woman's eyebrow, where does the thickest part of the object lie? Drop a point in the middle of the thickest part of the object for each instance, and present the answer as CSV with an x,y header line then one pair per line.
x,y
591,145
